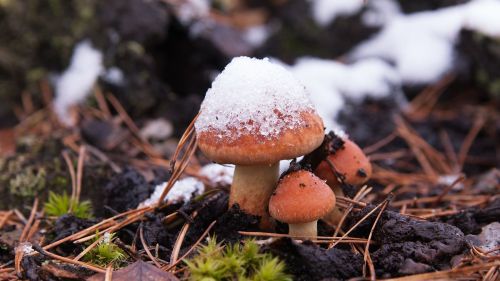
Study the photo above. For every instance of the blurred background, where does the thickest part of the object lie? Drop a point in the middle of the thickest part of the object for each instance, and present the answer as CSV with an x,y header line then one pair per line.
x,y
102,70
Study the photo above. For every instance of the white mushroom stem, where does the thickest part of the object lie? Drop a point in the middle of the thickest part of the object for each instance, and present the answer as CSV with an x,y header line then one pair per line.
x,y
335,215
252,187
308,229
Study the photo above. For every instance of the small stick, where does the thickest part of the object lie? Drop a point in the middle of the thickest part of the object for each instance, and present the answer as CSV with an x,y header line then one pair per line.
x,y
5,218
68,260
109,273
79,173
88,249
71,169
146,248
169,267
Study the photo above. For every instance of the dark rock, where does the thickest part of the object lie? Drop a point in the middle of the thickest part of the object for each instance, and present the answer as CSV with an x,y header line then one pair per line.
x,y
103,134
232,221
471,220
309,262
67,225
135,20
126,190
430,244
31,268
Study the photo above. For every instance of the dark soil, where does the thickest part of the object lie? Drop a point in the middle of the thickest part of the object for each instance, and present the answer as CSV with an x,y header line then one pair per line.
x,y
404,245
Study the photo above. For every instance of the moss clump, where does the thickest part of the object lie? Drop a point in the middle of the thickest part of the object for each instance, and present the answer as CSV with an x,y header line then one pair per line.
x,y
59,205
244,261
106,252
28,182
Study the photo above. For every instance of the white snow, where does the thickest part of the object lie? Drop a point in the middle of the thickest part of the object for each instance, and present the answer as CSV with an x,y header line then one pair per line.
x,y
218,175
182,191
158,129
113,75
330,82
26,248
192,10
248,97
421,44
380,12
325,11
77,80
489,236
256,35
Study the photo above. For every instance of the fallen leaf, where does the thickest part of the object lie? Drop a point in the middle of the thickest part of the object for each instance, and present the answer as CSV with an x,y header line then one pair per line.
x,y
7,142
138,271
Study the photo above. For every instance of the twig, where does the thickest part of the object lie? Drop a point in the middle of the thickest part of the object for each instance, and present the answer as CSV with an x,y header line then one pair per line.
x,y
79,173
71,169
178,243
367,257
169,267
68,260
469,139
146,248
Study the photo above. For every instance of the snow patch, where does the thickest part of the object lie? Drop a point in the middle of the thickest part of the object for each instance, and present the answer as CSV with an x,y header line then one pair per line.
x,y
421,44
26,248
218,175
253,96
325,11
256,35
182,191
330,83
158,129
189,11
489,237
77,80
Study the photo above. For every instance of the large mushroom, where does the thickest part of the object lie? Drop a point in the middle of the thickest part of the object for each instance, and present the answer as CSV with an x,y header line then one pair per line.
x,y
254,115
300,199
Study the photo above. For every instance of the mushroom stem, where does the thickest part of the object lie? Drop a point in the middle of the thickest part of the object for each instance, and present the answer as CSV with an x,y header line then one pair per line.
x,y
308,229
334,216
252,187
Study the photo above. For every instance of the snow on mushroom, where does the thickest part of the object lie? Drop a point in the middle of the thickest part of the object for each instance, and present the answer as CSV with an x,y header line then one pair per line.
x,y
300,200
255,114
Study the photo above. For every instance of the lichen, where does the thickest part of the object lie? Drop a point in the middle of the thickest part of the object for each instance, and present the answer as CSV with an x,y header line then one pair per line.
x,y
28,182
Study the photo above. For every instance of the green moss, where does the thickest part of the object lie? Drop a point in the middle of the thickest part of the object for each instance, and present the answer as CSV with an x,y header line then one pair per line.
x,y
59,205
235,262
106,252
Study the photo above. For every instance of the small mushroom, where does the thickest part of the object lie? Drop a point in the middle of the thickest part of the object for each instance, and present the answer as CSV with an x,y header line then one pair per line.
x,y
300,200
255,114
347,165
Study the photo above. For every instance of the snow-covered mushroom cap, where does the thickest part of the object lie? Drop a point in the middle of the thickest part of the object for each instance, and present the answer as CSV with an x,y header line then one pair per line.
x,y
301,197
256,112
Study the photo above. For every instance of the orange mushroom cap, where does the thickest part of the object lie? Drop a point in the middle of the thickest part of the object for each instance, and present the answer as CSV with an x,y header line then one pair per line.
x,y
350,162
301,197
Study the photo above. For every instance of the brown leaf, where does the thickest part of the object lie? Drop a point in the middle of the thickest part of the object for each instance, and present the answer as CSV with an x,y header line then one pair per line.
x,y
7,142
138,271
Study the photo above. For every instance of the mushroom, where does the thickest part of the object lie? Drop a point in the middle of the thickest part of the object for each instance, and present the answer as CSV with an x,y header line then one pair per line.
x,y
254,115
347,165
300,199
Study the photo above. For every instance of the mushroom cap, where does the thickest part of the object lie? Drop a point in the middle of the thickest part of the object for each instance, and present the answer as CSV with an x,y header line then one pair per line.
x,y
257,113
301,197
350,162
